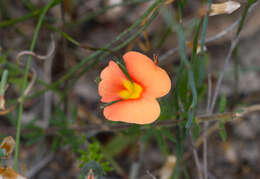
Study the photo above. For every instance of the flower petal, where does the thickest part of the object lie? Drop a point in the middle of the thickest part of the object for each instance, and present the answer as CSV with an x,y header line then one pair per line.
x,y
111,83
140,111
151,77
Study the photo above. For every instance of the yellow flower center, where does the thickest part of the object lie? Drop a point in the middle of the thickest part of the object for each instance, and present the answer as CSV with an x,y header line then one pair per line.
x,y
132,90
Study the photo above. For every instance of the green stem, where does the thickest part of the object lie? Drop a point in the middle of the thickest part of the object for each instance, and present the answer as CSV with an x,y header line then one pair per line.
x,y
99,52
30,15
20,109
114,49
204,27
3,82
103,10
75,42
195,40
235,53
245,12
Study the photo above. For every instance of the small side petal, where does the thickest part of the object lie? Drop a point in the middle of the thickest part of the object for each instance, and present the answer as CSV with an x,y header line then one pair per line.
x,y
111,83
141,111
151,77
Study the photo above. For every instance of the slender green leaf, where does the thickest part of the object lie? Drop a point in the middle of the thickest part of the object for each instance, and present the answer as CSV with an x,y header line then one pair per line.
x,y
222,130
190,119
161,142
30,15
3,82
196,131
168,134
204,27
193,89
222,104
20,109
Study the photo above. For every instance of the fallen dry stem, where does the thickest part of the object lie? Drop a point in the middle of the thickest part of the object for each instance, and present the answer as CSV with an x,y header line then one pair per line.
x,y
106,126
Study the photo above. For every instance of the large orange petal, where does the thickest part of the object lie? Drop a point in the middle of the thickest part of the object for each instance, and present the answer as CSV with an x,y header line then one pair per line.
x,y
144,71
111,83
141,111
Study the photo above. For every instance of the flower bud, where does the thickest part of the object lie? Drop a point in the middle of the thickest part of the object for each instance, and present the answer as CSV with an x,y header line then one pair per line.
x,y
224,8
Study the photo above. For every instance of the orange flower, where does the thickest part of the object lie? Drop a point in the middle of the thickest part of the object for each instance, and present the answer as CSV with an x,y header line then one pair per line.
x,y
136,97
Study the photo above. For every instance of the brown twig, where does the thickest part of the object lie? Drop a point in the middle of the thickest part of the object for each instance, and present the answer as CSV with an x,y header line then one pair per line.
x,y
40,57
205,128
34,74
210,131
47,102
232,116
108,127
218,85
196,156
